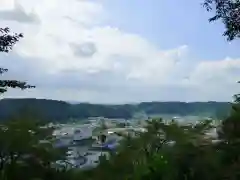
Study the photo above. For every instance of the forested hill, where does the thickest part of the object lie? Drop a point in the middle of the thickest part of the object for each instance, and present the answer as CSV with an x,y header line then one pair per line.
x,y
61,111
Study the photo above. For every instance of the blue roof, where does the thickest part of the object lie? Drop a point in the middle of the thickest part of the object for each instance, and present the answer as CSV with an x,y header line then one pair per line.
x,y
112,146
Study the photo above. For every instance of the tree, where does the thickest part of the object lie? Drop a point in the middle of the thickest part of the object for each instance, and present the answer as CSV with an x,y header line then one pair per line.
x,y
25,146
228,11
7,41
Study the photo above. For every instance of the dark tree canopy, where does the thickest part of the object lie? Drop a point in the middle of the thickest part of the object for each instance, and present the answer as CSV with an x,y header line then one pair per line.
x,y
228,11
7,41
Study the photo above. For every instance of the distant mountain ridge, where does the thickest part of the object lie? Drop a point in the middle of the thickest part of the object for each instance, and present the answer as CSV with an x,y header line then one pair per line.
x,y
56,110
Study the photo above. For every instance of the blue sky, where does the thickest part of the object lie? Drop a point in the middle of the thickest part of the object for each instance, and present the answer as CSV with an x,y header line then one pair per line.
x,y
169,24
118,51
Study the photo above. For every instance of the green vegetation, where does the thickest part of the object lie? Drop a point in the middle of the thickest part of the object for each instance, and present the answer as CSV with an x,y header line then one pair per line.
x,y
149,156
26,151
61,111
22,154
7,41
227,11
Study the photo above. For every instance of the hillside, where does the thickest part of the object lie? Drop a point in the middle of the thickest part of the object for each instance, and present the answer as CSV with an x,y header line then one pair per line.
x,y
61,111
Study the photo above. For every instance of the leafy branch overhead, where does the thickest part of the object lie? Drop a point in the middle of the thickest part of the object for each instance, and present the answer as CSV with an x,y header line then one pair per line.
x,y
7,41
228,11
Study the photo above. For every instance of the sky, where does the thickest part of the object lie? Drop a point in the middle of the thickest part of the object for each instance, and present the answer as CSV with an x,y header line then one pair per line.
x,y
119,51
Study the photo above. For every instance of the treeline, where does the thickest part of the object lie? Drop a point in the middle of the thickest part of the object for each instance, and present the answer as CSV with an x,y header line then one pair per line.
x,y
210,108
53,110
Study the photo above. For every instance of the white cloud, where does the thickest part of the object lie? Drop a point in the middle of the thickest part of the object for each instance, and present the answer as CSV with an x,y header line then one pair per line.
x,y
72,55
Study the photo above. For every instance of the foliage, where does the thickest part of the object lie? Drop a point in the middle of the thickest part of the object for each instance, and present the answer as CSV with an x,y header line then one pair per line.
x,y
25,146
228,11
7,41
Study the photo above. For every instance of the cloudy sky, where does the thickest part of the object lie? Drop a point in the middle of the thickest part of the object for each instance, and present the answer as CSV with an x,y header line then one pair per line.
x,y
117,51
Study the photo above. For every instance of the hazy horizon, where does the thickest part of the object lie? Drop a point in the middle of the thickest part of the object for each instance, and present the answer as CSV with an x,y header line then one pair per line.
x,y
124,103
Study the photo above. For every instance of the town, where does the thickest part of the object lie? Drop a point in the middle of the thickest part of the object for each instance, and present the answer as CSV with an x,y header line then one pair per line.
x,y
87,142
